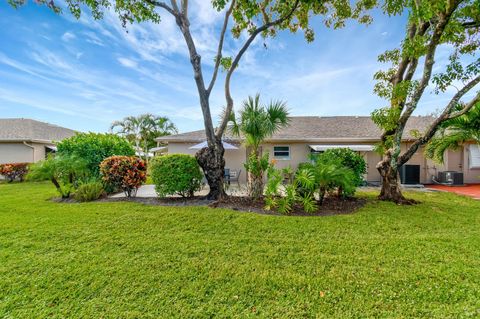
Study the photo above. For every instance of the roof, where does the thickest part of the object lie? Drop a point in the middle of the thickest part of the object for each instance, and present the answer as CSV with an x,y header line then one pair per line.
x,y
19,129
316,128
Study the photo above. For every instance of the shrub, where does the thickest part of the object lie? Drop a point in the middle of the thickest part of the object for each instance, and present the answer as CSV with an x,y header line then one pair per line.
x,y
127,173
347,158
94,148
291,196
177,174
14,171
89,191
65,172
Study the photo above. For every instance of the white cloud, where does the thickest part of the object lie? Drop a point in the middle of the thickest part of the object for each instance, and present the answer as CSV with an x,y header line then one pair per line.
x,y
92,37
127,62
67,36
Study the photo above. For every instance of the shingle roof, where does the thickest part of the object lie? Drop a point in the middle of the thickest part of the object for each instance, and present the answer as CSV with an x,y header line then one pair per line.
x,y
315,128
30,130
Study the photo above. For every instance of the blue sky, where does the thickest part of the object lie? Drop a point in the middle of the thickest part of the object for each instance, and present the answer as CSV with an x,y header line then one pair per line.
x,y
85,74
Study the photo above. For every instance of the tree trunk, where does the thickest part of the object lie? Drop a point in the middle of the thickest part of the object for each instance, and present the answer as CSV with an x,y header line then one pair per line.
x,y
391,190
255,185
213,164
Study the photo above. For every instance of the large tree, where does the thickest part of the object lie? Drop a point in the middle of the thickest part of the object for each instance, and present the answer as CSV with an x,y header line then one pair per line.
x,y
452,25
251,17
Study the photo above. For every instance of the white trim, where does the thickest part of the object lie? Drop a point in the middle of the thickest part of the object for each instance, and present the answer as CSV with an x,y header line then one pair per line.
x,y
358,147
474,156
282,158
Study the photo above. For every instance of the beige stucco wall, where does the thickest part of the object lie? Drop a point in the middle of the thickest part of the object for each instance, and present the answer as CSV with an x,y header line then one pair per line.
x,y
299,152
16,153
21,153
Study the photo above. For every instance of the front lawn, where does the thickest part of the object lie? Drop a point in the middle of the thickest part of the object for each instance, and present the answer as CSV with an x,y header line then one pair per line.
x,y
127,260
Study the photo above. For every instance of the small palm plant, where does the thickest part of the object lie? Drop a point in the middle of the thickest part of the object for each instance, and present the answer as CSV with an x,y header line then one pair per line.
x,y
454,133
257,122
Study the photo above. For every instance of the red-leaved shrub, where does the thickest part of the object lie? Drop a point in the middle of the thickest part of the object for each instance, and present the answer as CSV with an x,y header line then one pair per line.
x,y
14,171
127,173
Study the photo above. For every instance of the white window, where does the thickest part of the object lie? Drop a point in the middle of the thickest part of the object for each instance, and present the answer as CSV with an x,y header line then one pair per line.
x,y
474,156
281,152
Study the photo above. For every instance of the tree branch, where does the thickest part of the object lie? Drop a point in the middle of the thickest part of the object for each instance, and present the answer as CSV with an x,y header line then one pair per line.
x,y
220,48
446,115
235,62
162,5
185,7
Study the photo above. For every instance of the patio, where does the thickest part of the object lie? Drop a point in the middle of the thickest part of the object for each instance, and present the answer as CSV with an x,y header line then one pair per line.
x,y
471,190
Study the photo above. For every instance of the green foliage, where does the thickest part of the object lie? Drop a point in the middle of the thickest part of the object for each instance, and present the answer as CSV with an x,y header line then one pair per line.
x,y
348,159
413,68
176,174
89,191
182,254
453,133
256,122
284,200
93,148
65,172
127,173
14,171
256,165
141,131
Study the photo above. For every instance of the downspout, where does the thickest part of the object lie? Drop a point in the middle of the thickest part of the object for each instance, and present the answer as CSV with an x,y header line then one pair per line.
x,y
33,150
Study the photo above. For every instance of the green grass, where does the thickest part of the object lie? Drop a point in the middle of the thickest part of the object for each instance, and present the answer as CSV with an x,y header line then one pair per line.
x,y
127,260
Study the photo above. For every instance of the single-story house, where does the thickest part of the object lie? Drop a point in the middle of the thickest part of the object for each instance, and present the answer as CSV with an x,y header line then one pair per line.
x,y
310,134
28,141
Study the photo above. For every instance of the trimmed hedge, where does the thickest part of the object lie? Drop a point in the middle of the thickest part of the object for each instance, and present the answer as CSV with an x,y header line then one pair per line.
x,y
14,171
176,174
127,173
93,148
347,158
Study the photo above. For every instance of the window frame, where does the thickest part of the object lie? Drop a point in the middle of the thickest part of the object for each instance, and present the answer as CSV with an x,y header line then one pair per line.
x,y
282,158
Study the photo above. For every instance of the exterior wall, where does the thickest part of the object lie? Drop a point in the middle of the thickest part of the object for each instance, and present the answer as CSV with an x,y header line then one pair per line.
x,y
21,153
299,152
470,175
16,153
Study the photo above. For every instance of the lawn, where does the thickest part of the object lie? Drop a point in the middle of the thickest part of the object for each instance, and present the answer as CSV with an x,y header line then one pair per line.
x,y
127,260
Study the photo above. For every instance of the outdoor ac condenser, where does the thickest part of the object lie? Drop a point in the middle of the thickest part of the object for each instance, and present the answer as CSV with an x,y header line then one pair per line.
x,y
451,178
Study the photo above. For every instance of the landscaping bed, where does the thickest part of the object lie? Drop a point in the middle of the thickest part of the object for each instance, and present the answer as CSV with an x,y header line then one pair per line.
x,y
331,205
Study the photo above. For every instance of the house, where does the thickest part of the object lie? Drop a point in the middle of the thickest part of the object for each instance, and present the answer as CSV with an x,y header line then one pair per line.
x,y
28,141
310,134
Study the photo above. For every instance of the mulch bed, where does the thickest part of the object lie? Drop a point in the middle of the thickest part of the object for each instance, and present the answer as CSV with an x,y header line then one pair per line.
x,y
331,205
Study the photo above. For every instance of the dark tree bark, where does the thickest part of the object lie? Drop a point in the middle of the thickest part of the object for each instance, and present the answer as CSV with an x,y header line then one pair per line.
x,y
213,164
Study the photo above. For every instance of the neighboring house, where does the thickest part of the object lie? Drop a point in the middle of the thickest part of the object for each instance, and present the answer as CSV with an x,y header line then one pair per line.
x,y
28,141
310,134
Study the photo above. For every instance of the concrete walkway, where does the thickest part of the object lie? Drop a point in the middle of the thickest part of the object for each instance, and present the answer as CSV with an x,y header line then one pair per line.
x,y
148,191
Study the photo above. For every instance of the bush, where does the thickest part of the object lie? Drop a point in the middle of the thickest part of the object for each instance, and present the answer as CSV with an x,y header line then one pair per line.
x,y
14,171
94,148
127,173
347,158
177,174
89,191
65,172
285,202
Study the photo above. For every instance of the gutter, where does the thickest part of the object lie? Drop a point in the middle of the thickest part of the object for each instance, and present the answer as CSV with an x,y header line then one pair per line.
x,y
33,150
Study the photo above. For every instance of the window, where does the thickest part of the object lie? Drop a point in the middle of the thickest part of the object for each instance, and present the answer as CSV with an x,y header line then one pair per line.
x,y
281,152
474,156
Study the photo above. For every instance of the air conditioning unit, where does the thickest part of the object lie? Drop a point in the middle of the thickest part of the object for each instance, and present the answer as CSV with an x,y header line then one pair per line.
x,y
450,178
410,174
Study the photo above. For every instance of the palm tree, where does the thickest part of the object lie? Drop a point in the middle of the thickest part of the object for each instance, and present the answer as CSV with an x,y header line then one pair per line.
x,y
142,130
454,133
257,122
130,128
